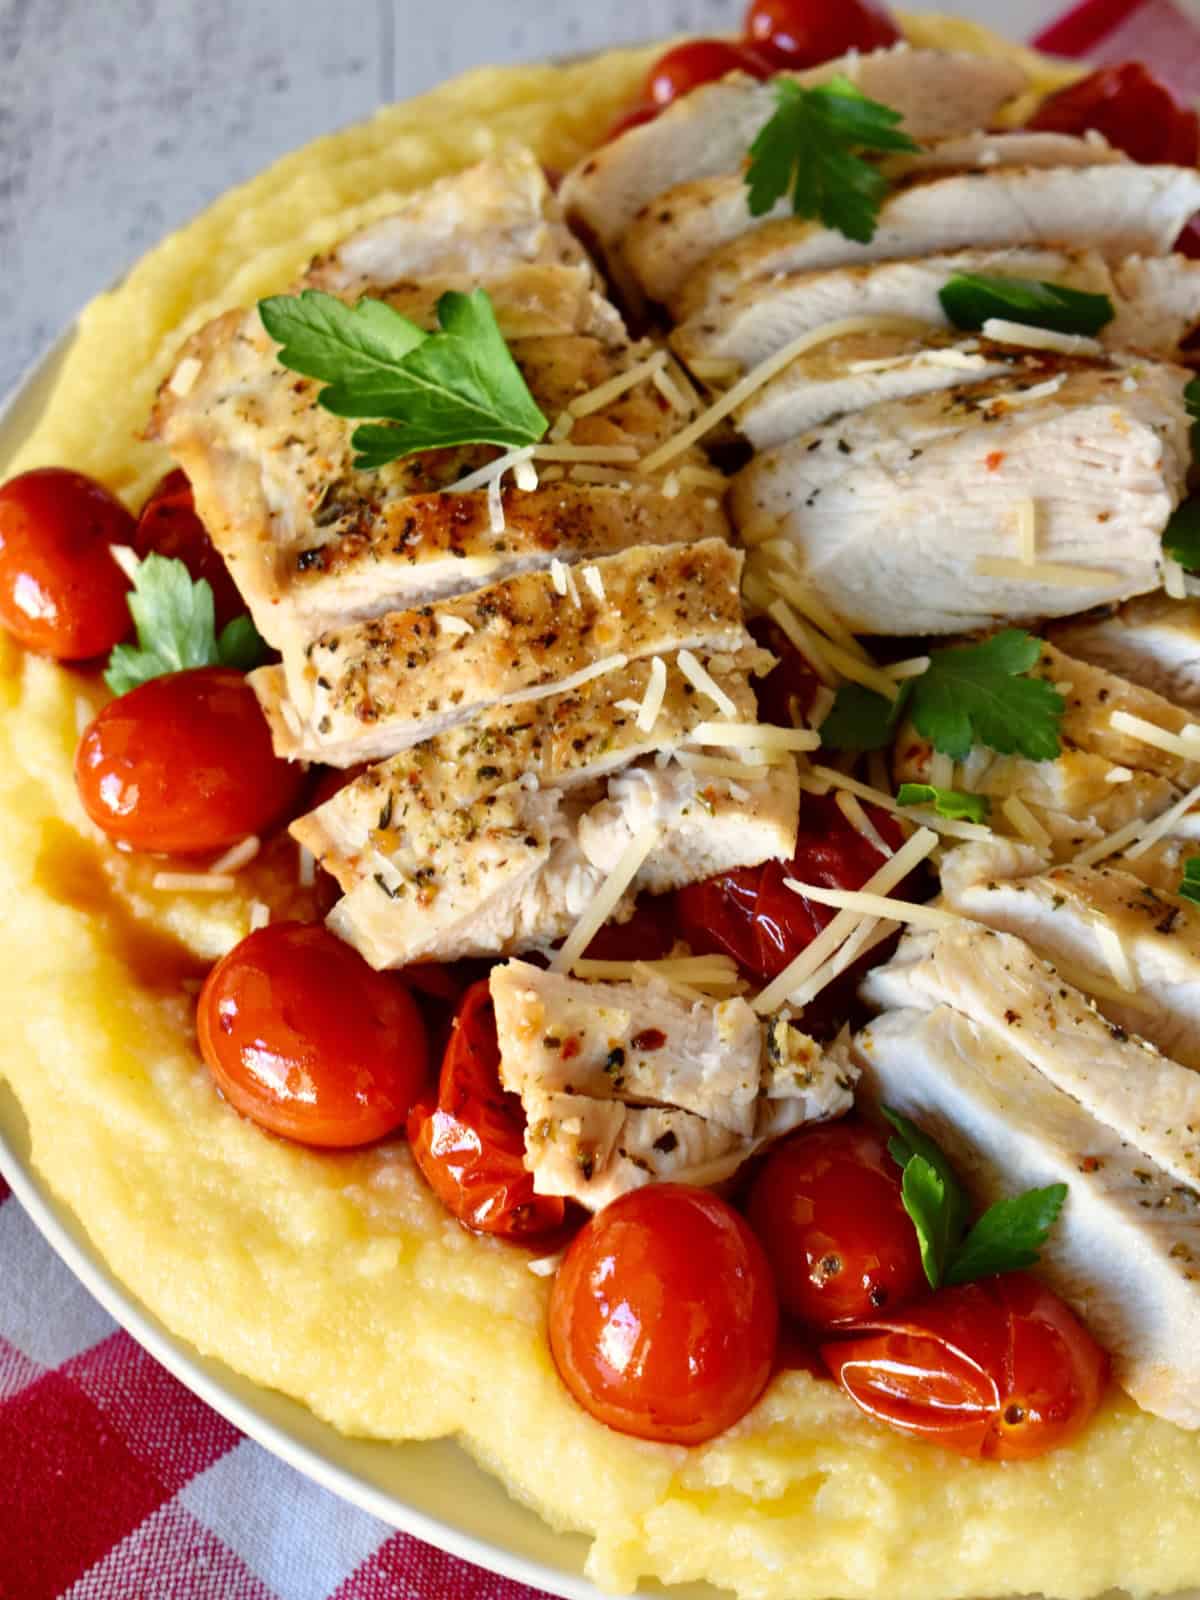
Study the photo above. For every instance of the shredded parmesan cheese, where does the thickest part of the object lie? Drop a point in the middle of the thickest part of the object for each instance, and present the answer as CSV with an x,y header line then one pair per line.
x,y
558,576
1115,955
1001,331
563,685
1098,988
449,623
606,898
952,828
656,688
694,477
1118,775
809,605
671,391
714,766
1026,824
827,941
702,971
1174,579
698,675
306,871
184,376
495,505
545,1266
1026,397
806,641
765,371
125,558
494,470
237,856
194,882
1027,532
870,932
914,667
941,770
260,915
1185,744
823,702
1055,574
610,477
614,454
759,735
1161,826
851,808
875,905
604,393
525,475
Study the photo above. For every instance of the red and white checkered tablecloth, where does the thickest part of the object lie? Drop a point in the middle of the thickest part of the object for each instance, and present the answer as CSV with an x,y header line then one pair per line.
x,y
117,1483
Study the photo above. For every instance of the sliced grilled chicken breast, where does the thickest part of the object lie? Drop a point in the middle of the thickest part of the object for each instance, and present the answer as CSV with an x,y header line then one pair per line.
x,y
370,688
895,511
1148,1100
1118,210
1125,1249
626,1084
672,237
711,130
1148,982
1154,641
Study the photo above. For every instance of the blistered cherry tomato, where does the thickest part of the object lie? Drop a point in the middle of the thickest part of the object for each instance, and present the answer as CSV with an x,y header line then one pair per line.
x,y
184,764
827,1209
663,1317
647,936
308,1041
61,592
470,1142
1133,109
699,61
751,915
169,526
1002,1369
801,33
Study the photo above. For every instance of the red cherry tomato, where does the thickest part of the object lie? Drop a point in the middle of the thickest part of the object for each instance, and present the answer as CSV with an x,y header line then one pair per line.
x,y
308,1041
751,915
1188,242
647,936
183,764
801,33
1001,1369
61,592
663,1319
631,119
697,62
826,1207
169,526
470,1143
1134,110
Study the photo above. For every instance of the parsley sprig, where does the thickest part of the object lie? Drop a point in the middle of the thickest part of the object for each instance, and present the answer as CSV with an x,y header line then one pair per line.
x,y
811,149
1006,1238
957,804
1189,887
969,694
422,391
1181,537
969,299
176,627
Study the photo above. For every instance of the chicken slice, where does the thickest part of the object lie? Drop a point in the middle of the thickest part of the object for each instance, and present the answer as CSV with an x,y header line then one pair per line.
x,y
711,130
1022,1003
626,1083
760,319
370,688
1153,641
1066,913
892,510
671,238
1125,1248
1118,210
517,868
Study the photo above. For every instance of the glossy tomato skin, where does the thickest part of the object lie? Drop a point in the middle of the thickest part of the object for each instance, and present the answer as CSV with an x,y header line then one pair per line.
x,y
649,935
827,1209
1133,109
1000,1369
801,33
168,526
61,592
469,1142
697,62
663,1317
308,1041
184,764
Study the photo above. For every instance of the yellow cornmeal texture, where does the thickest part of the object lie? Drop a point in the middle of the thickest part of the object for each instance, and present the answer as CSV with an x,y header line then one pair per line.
x,y
337,1278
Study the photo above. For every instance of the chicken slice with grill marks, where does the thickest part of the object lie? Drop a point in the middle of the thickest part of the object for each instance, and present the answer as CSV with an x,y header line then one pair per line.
x,y
304,531
893,510
671,239
1120,211
763,318
365,690
709,132
626,1083
1153,641
995,979
1066,914
1125,1251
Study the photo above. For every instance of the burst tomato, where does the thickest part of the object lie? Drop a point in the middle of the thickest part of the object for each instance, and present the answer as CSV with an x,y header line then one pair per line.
x,y
168,526
663,1318
61,592
184,764
308,1041
470,1143
1133,109
800,33
827,1208
1001,1369
699,61
647,936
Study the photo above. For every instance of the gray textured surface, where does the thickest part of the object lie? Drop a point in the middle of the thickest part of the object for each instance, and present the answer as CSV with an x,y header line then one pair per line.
x,y
120,118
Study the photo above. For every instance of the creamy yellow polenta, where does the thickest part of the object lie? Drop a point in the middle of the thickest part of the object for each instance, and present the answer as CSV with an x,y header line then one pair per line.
x,y
338,1278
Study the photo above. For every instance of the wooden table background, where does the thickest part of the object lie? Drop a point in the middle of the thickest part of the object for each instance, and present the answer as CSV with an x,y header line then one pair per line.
x,y
121,118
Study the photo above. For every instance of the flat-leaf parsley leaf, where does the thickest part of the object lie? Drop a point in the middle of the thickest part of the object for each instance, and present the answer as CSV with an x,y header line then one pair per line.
x,y
176,627
957,804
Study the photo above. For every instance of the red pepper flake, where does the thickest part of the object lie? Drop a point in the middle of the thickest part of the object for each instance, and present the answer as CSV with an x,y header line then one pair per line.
x,y
570,1048
649,1039
992,461
1090,1164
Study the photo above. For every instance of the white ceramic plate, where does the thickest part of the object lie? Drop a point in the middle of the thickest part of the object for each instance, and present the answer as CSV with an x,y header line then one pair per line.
x,y
434,1491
